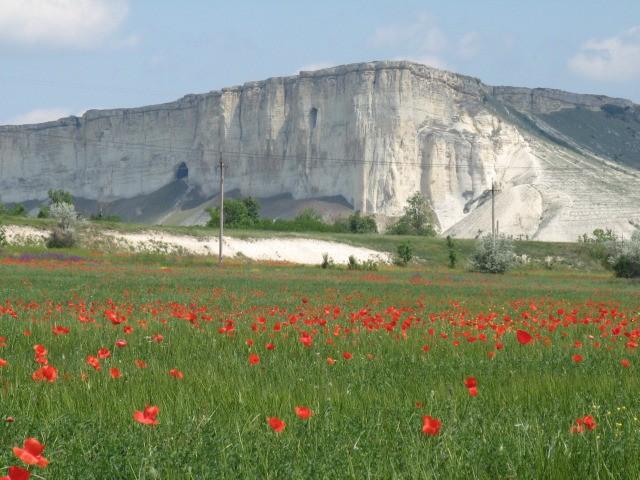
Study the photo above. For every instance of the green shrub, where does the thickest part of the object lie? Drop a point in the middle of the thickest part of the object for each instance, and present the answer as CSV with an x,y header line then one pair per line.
x,y
61,238
17,210
327,261
493,254
404,254
625,262
369,265
452,252
417,218
59,196
44,212
357,223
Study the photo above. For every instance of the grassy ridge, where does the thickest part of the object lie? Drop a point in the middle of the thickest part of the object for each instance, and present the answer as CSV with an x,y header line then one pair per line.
x,y
366,423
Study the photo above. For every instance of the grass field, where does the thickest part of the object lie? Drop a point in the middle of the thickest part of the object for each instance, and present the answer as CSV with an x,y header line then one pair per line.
x,y
414,335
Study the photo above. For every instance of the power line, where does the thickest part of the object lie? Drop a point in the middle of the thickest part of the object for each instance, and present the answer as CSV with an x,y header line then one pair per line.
x,y
102,143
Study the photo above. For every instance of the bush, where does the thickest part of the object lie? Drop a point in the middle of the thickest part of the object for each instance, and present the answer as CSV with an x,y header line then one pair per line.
x,y
626,261
243,213
452,252
369,265
17,210
357,223
44,212
61,238
327,261
404,254
493,255
3,236
417,218
601,246
59,196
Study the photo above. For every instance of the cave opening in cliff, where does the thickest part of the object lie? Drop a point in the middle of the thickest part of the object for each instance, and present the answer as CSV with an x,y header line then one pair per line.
x,y
182,171
313,117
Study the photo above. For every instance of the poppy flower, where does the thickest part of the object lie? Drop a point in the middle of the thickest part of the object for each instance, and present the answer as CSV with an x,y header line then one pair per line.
x,y
94,362
306,340
158,338
45,374
174,372
59,330
304,413
121,343
115,373
347,356
576,358
40,350
3,362
276,424
16,473
587,422
30,453
104,353
624,362
269,346
140,363
254,359
430,426
331,361
523,337
148,416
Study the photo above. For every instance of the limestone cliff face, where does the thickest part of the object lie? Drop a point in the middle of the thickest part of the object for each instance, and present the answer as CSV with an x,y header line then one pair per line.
x,y
373,133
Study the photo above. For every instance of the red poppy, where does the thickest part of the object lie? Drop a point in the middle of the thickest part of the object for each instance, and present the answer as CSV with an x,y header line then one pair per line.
x,y
30,453
269,346
45,374
331,361
158,338
115,373
587,422
59,330
94,362
304,413
40,350
3,362
347,356
576,358
140,363
104,353
148,416
276,424
254,359
523,337
249,342
624,362
470,382
306,339
127,329
430,426
174,372
121,343
16,473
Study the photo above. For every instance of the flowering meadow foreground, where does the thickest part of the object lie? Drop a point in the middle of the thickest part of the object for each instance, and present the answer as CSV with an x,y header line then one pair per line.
x,y
145,368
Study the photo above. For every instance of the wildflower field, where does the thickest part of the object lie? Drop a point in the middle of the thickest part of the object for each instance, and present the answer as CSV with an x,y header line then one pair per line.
x,y
125,367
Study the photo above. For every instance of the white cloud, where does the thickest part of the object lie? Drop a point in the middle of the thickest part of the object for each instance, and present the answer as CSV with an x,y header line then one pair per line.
x,y
60,23
422,35
315,66
615,58
468,45
40,115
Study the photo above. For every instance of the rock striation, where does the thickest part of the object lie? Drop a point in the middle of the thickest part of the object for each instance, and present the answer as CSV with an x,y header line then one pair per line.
x,y
369,133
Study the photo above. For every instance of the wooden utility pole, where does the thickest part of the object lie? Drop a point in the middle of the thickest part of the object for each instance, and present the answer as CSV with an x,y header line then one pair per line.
x,y
221,209
494,190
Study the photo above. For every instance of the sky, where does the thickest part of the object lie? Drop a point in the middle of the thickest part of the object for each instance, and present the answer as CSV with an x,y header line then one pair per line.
x,y
63,57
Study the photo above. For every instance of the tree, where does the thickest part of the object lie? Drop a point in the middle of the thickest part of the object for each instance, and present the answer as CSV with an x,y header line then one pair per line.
x,y
452,252
404,254
59,196
417,218
237,213
253,209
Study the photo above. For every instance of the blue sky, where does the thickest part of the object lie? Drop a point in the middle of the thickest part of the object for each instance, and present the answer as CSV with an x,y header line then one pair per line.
x,y
60,57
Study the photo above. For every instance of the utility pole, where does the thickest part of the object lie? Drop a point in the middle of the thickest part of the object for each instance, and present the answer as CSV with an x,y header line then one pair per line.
x,y
493,212
221,208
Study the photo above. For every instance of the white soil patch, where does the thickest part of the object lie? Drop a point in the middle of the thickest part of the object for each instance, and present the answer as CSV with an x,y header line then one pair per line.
x,y
295,250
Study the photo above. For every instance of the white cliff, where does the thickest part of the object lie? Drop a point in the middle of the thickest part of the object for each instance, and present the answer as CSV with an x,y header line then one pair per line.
x,y
372,133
